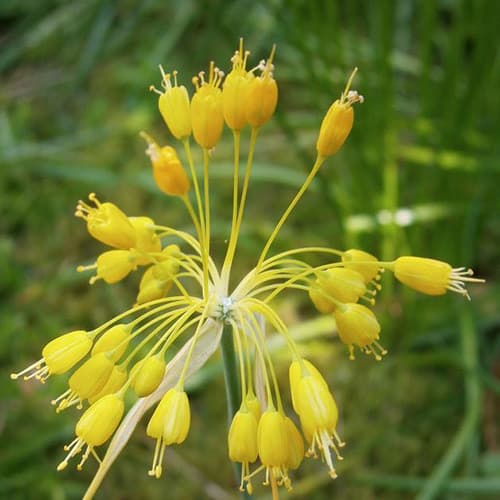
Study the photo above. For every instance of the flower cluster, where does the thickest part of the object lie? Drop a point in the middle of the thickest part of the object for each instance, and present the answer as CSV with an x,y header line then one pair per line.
x,y
184,294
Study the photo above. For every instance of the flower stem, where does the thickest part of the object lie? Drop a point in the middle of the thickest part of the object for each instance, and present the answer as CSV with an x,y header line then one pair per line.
x,y
232,383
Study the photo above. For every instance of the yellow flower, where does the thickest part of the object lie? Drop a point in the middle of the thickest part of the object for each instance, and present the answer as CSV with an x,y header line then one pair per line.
x,y
431,276
272,441
157,281
357,325
206,108
235,91
114,341
58,356
362,262
114,383
86,381
338,121
169,424
318,415
147,241
107,223
336,285
94,428
174,106
242,443
295,445
262,94
168,172
299,368
253,405
112,266
146,376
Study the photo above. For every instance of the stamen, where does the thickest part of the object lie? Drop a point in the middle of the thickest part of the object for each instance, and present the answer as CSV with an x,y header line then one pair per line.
x,y
37,365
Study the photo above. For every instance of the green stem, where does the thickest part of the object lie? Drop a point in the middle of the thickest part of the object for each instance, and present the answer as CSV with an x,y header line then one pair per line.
x,y
449,461
232,383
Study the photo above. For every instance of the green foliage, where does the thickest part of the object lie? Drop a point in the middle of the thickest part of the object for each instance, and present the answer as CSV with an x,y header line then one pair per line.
x,y
73,96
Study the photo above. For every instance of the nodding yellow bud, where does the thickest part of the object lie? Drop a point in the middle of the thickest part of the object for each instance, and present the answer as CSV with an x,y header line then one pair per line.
x,y
156,281
59,355
299,369
253,405
115,382
357,325
262,94
86,381
107,223
206,108
113,266
339,284
169,424
172,252
431,276
315,404
318,415
273,446
147,240
177,417
337,123
272,439
168,172
114,341
147,375
65,351
362,262
295,445
235,90
242,437
95,427
174,105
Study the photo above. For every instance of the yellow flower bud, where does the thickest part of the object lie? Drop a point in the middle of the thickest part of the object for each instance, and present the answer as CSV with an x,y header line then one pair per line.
x,y
299,369
362,262
58,356
295,445
107,223
318,415
65,351
272,443
253,405
174,106
315,405
177,417
431,276
95,427
206,108
147,376
115,382
86,381
235,89
242,437
147,240
156,282
168,172
169,424
339,284
262,94
357,325
113,266
337,123
114,341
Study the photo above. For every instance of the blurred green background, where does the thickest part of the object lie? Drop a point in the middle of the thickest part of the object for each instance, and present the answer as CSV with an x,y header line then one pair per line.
x,y
419,174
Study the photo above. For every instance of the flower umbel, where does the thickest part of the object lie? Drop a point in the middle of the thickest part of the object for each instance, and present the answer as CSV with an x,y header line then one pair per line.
x,y
184,297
